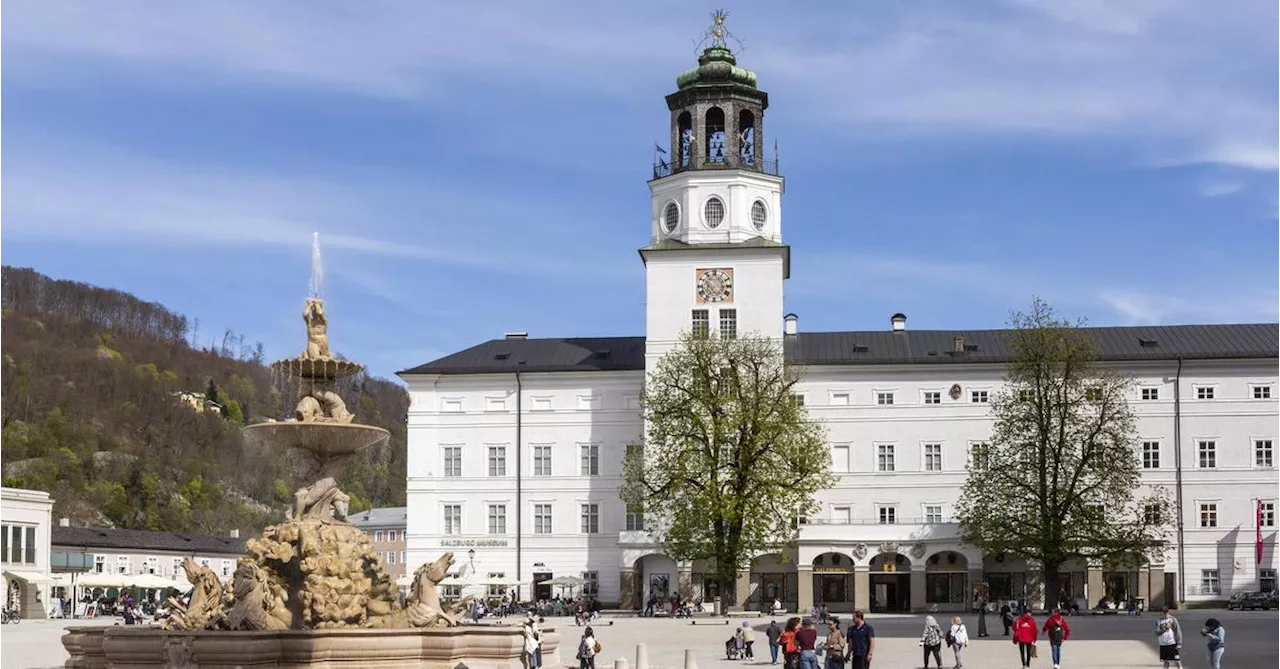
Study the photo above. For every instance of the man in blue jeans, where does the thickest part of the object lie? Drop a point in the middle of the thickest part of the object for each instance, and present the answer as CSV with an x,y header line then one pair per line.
x,y
861,642
807,642
774,633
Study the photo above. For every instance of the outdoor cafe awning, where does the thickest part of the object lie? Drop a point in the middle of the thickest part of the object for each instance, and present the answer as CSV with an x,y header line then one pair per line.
x,y
32,576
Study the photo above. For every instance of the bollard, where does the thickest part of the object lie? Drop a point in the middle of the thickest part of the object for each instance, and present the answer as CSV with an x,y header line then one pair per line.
x,y
620,663
642,656
690,659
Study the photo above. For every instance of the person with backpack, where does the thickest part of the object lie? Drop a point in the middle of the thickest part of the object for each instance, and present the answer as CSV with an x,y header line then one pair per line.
x,y
790,651
931,640
588,648
1025,633
1169,637
958,638
1056,630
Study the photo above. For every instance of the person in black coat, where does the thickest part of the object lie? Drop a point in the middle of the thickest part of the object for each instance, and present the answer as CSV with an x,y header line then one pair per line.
x,y
1006,617
982,617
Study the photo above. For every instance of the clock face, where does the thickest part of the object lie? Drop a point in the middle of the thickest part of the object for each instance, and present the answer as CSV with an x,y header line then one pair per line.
x,y
715,285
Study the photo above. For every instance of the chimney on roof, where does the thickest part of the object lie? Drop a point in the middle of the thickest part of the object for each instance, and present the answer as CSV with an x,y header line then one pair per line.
x,y
959,347
517,335
64,522
790,324
235,534
899,321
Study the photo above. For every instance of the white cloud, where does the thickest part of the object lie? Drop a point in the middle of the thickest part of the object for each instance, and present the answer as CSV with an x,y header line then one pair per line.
x,y
1220,187
1142,308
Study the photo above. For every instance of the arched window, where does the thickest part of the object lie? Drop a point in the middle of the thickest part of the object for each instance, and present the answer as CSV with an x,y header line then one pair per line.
x,y
684,123
715,135
747,137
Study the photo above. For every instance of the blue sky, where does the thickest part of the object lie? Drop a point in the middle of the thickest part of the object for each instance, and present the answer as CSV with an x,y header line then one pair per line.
x,y
476,169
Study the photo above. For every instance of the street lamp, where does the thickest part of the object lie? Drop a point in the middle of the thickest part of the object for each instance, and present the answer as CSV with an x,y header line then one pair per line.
x,y
471,555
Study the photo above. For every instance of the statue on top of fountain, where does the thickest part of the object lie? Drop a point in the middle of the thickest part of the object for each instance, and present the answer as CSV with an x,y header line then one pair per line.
x,y
321,404
317,330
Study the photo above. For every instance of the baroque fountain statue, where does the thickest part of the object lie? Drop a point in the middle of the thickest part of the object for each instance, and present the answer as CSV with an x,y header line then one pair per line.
x,y
311,590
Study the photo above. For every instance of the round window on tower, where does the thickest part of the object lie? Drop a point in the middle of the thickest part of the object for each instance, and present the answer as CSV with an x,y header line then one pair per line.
x,y
671,217
714,212
759,215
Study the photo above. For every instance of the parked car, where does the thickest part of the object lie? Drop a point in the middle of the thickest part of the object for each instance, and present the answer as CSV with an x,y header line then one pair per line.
x,y
1247,600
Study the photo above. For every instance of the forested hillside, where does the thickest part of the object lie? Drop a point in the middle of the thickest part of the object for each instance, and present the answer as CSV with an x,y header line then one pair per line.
x,y
93,411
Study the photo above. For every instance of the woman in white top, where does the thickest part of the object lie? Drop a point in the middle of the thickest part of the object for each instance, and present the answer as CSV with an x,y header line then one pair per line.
x,y
531,644
959,638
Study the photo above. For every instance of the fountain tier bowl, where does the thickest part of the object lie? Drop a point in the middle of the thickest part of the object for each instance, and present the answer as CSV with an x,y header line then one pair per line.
x,y
322,369
326,440
472,646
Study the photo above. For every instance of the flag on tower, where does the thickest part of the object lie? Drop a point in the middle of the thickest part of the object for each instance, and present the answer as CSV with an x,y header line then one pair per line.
x,y
1257,548
659,149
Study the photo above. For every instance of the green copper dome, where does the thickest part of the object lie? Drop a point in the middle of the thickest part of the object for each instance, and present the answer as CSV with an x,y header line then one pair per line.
x,y
717,66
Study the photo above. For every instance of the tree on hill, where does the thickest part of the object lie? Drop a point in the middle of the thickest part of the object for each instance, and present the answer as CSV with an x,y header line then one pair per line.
x,y
1059,478
729,458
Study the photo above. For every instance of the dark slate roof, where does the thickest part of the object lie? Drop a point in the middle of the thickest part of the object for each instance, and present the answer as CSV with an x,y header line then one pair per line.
x,y
1164,342
143,540
381,517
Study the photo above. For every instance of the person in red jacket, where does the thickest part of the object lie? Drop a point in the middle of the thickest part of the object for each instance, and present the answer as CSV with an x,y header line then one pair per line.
x,y
1024,635
1056,630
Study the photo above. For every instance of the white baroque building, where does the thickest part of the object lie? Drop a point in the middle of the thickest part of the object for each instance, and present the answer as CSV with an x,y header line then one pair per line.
x,y
515,445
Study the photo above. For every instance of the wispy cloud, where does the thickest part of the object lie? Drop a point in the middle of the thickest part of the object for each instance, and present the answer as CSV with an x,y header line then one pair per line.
x,y
1220,187
1143,308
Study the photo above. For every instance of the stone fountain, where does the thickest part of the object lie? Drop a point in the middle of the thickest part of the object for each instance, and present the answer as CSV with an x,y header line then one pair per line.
x,y
311,592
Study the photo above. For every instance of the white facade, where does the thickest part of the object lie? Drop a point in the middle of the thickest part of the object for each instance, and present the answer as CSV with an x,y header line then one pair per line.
x,y
479,477
25,519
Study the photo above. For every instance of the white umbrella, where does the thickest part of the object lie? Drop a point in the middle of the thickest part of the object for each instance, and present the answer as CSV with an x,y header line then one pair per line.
x,y
155,582
104,580
502,581
566,581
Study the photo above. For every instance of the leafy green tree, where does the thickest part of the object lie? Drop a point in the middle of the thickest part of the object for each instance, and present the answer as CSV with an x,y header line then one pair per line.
x,y
1060,478
729,458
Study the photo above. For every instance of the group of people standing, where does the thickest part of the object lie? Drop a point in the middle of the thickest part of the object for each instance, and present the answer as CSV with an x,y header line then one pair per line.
x,y
797,643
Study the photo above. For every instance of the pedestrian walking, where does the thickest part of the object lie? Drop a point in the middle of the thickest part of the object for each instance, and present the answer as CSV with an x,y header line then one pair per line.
x,y
748,638
958,638
588,648
1217,639
1169,637
835,646
531,644
1006,617
861,642
931,640
807,644
1025,633
773,634
790,652
1056,630
982,617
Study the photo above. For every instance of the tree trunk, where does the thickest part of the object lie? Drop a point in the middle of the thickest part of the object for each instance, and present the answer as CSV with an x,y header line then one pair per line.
x,y
1053,584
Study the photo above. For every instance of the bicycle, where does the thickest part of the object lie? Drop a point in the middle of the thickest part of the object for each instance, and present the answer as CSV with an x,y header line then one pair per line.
x,y
10,615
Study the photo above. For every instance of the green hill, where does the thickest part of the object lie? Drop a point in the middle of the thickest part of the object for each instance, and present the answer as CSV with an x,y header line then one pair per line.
x,y
101,406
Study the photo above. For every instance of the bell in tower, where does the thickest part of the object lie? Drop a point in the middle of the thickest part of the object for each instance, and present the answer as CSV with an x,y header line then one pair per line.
x,y
717,112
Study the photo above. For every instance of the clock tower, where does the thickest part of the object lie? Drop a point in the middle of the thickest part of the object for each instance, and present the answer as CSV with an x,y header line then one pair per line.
x,y
715,261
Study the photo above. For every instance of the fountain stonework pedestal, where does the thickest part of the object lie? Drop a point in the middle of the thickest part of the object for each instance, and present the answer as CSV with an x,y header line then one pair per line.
x,y
311,592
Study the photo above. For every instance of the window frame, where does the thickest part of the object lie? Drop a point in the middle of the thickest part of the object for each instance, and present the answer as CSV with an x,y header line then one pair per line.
x,y
1204,392
841,514
841,463
1211,452
1268,513
1150,457
925,456
589,517
975,393
451,526
496,518
881,453
543,518
924,513
727,319
1270,452
846,394
1154,390
926,395
882,395
446,450
1210,582
588,459
700,323
1207,513
886,514
496,466
1266,389
538,460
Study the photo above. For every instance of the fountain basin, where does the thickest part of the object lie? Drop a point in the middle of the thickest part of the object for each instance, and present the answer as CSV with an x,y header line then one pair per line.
x,y
472,646
326,440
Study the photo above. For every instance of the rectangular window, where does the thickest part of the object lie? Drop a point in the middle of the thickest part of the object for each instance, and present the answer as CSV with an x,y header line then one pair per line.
x,y
497,519
728,323
542,519
540,404
1208,452
590,518
590,459
1209,582
887,515
932,397
1208,514
840,458
980,455
933,457
841,515
377,536
453,519
496,591
978,396
884,457
495,404
29,554
542,461
100,564
391,557
1025,395
153,565
884,399
391,535
1204,393
591,584
798,399
452,461
635,518
1263,455
1151,514
589,402
840,399
497,461
1150,455
1267,580
701,323
933,514
1262,392
177,568
451,405
1267,514
4,543
1150,394
122,565
15,544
